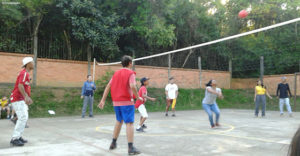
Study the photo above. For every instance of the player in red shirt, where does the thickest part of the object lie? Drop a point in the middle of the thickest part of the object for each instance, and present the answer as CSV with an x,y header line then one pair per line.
x,y
122,87
20,100
140,105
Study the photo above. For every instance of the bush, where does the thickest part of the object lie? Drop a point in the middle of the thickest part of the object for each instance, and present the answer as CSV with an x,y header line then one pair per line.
x,y
103,81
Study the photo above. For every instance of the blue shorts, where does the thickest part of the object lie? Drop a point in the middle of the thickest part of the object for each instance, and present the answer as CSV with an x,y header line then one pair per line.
x,y
125,113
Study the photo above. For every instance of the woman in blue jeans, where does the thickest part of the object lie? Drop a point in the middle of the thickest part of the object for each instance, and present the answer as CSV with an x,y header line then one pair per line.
x,y
209,103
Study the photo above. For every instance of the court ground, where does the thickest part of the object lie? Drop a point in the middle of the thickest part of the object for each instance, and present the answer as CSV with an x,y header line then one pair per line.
x,y
187,134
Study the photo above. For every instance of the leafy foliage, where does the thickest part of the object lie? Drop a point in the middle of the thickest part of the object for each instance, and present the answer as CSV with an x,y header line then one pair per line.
x,y
145,27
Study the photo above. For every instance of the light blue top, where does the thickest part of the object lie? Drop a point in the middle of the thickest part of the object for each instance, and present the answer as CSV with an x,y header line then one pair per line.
x,y
210,98
87,88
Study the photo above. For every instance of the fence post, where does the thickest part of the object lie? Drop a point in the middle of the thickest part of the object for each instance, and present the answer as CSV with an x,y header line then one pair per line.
x,y
133,63
230,72
94,69
200,71
262,69
295,91
169,68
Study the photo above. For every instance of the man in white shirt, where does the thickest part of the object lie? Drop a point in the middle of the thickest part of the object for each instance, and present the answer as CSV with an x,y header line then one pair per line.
x,y
171,93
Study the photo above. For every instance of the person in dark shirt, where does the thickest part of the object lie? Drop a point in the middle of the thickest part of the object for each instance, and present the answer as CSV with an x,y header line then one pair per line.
x,y
283,90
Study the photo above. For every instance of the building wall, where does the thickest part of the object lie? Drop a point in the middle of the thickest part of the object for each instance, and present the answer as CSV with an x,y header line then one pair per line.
x,y
64,73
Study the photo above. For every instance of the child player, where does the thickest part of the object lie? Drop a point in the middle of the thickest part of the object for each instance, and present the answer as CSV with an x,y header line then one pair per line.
x,y
140,105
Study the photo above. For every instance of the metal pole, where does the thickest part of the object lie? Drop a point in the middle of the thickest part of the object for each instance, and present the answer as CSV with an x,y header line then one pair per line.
x,y
94,69
133,63
169,68
295,91
230,72
262,69
200,71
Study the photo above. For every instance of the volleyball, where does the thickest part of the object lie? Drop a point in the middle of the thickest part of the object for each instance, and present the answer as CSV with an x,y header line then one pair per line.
x,y
243,14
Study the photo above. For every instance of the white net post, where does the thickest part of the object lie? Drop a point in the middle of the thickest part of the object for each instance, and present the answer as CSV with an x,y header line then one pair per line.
x,y
200,71
169,67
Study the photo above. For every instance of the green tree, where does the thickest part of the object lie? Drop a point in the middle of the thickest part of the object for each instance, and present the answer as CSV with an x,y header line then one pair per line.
x,y
91,26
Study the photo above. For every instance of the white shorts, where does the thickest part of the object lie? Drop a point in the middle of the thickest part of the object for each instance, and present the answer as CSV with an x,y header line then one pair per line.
x,y
143,111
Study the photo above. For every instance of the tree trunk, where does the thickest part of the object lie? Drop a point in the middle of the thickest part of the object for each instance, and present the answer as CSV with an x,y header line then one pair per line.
x,y
68,42
35,46
89,57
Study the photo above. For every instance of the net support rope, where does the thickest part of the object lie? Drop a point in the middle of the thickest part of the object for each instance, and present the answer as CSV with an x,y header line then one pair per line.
x,y
210,42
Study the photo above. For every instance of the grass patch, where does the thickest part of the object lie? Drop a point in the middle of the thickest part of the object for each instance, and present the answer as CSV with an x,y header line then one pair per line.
x,y
67,102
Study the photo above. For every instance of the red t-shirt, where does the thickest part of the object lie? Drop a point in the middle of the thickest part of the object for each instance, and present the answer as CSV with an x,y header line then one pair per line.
x,y
24,79
142,91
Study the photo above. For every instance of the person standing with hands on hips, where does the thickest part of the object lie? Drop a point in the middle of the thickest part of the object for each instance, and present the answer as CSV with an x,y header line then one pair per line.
x,y
20,100
171,92
87,94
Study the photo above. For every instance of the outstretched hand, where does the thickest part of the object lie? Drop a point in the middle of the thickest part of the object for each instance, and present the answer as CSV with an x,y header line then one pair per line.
x,y
153,99
140,98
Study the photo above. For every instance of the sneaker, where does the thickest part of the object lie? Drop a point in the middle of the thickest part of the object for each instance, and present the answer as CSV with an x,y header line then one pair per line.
x,y
144,126
82,116
218,125
173,115
281,114
133,151
113,146
23,140
16,142
91,116
213,126
140,129
166,114
8,117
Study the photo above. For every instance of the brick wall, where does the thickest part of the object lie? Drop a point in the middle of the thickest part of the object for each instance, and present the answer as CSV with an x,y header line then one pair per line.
x,y
62,73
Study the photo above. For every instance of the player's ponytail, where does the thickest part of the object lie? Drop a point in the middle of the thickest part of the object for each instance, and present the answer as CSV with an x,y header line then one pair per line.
x,y
209,83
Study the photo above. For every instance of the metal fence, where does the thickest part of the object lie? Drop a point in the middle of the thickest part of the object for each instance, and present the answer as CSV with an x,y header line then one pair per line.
x,y
52,49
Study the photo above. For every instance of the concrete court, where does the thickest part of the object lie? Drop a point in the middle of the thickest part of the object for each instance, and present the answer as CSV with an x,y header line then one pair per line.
x,y
187,134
